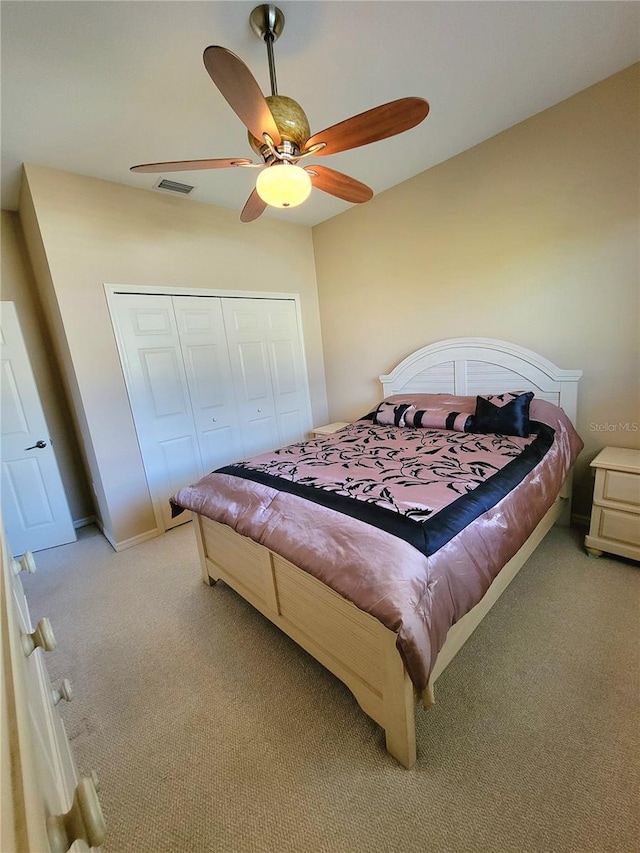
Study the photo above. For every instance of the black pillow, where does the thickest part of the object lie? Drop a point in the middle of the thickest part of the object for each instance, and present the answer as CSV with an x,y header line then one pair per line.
x,y
507,414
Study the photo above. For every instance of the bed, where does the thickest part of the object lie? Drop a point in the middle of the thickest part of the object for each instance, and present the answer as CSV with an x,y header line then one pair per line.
x,y
304,565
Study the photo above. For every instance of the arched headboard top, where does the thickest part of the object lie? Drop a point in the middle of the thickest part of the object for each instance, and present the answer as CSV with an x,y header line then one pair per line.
x,y
470,366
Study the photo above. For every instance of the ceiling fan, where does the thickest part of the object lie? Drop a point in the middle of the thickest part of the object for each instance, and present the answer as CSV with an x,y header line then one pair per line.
x,y
279,130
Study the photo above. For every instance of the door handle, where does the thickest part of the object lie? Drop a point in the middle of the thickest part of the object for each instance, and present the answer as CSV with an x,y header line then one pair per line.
x,y
39,444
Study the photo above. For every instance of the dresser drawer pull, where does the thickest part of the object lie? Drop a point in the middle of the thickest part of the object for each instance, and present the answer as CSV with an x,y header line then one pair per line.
x,y
84,820
63,692
43,637
95,780
26,563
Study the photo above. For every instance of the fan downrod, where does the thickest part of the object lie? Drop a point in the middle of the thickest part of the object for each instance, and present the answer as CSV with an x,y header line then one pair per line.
x,y
267,22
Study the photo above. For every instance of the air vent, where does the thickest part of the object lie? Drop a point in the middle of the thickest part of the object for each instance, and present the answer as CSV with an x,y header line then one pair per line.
x,y
173,187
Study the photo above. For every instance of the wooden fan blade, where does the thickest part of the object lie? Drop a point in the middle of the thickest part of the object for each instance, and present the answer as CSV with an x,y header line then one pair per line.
x,y
190,165
371,126
253,208
342,186
238,86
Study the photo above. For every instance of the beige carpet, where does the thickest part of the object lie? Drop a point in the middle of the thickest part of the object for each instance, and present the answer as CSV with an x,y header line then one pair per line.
x,y
211,731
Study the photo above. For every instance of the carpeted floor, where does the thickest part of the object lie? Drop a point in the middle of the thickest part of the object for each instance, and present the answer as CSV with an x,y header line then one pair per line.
x,y
212,731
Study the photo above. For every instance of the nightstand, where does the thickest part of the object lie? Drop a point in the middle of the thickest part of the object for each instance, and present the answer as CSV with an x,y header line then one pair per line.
x,y
615,515
328,429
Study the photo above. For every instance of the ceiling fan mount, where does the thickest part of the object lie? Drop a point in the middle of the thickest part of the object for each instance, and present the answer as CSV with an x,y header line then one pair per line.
x,y
267,22
279,131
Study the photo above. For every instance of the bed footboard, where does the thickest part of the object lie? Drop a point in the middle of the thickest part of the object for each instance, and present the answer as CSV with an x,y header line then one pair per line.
x,y
353,645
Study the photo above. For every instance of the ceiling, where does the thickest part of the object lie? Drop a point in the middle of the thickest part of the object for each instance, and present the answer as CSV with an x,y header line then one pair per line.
x,y
96,87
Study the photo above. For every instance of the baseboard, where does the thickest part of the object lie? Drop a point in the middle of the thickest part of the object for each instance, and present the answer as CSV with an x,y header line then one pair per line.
x,y
85,522
580,521
128,543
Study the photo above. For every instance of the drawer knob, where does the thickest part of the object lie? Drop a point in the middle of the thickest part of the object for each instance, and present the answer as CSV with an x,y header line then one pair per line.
x,y
26,563
43,637
84,820
63,692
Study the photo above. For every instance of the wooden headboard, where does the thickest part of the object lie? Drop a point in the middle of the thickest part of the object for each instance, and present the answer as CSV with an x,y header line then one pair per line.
x,y
470,366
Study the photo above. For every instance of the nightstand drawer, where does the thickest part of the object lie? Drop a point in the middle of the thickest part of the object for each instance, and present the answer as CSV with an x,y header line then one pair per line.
x,y
618,526
621,487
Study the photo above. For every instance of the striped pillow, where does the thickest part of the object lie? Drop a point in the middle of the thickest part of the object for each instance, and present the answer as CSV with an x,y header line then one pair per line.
x,y
391,414
439,419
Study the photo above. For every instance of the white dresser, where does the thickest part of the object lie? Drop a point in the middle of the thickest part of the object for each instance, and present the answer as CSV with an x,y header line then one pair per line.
x,y
46,808
615,515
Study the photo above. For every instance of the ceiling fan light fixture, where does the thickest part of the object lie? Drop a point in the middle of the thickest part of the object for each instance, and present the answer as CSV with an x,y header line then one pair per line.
x,y
283,185
279,130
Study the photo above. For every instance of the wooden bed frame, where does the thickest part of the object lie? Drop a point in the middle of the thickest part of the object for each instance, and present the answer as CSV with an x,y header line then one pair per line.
x,y
352,644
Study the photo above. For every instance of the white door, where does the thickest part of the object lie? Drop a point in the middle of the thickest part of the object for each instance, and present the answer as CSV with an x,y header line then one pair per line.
x,y
288,374
211,380
206,360
156,380
34,504
246,326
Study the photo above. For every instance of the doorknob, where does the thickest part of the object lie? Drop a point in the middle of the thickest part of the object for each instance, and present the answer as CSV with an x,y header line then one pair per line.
x,y
39,444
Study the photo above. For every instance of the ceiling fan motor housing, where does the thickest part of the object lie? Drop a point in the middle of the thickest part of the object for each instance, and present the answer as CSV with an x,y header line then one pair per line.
x,y
292,123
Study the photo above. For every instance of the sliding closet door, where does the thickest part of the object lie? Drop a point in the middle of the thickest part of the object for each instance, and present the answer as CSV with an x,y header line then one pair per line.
x,y
206,359
158,392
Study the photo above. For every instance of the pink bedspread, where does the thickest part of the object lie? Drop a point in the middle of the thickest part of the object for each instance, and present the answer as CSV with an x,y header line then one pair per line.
x,y
415,593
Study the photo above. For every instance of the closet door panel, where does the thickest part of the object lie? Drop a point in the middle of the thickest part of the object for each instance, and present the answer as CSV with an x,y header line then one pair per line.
x,y
158,392
254,366
245,326
291,427
163,382
206,358
289,378
177,455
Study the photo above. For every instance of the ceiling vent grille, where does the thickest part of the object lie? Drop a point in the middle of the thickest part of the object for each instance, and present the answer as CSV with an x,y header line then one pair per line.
x,y
173,187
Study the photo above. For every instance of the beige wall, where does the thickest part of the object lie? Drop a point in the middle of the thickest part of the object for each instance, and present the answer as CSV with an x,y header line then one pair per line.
x,y
18,286
531,237
93,232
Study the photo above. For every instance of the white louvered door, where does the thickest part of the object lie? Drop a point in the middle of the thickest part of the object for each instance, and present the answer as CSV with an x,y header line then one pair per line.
x,y
211,380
